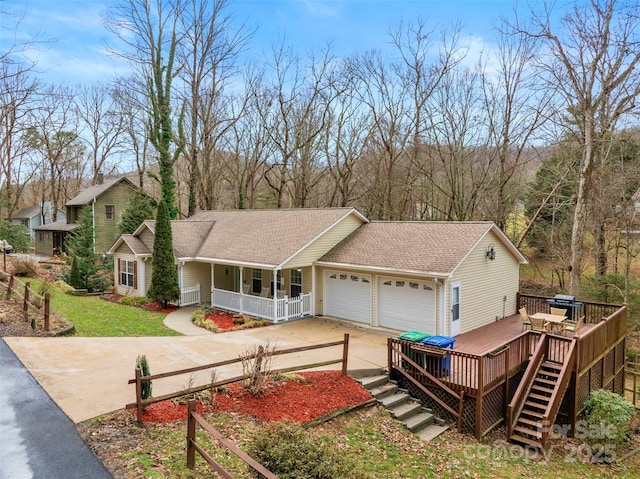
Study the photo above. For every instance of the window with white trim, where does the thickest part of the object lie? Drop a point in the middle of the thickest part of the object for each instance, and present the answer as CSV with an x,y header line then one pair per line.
x,y
127,273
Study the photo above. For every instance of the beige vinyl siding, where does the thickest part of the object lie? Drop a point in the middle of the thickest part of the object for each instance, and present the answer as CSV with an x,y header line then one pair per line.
x,y
307,279
146,236
224,277
148,270
484,283
197,272
325,242
124,253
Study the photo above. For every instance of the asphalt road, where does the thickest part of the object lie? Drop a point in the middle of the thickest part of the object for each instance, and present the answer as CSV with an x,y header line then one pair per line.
x,y
37,440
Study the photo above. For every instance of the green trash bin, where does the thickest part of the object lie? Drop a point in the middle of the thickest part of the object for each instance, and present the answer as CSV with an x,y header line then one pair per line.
x,y
414,337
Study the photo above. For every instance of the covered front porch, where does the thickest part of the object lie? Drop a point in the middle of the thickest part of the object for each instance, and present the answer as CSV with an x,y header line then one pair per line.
x,y
273,294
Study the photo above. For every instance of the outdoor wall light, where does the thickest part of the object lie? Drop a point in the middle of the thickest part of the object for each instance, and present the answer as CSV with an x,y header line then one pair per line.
x,y
491,252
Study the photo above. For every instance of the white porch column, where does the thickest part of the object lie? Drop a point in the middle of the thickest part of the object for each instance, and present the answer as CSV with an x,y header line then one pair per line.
x,y
241,268
274,281
212,281
313,289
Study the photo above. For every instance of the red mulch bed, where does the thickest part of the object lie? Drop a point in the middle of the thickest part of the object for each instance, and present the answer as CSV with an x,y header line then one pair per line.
x,y
157,307
222,319
323,392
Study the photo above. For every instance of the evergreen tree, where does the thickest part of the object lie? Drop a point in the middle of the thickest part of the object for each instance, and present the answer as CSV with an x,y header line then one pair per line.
x,y
80,245
164,278
75,279
140,208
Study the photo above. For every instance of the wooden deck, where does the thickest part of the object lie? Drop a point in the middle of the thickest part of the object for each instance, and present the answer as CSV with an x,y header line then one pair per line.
x,y
488,338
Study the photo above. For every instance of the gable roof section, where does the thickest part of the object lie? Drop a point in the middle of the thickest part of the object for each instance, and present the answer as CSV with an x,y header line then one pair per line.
x,y
266,237
136,245
27,212
424,247
87,196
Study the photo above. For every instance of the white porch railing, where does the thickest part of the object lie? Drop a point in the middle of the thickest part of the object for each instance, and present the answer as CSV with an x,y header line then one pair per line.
x,y
190,295
285,308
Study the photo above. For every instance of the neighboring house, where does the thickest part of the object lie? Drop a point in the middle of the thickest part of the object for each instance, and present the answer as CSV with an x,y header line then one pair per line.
x,y
437,277
36,215
107,200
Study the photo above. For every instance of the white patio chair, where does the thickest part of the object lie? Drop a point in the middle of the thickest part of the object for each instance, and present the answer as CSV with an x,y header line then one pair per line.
x,y
265,292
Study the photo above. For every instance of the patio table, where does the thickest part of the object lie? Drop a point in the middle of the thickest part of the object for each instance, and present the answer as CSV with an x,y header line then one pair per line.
x,y
553,320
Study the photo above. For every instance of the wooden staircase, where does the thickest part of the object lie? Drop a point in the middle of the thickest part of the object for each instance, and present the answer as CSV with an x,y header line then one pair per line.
x,y
406,409
535,405
529,424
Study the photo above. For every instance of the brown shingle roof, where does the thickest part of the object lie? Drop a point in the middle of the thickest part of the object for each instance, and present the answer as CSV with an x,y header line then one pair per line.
x,y
262,237
87,196
417,246
136,245
61,225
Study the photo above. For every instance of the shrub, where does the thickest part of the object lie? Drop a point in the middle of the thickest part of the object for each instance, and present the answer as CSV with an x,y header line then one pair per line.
x,y
26,268
134,300
608,415
143,365
289,451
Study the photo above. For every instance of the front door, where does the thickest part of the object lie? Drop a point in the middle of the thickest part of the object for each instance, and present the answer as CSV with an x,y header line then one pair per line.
x,y
454,328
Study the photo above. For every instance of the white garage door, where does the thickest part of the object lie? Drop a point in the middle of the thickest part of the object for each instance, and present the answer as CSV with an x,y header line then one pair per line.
x,y
347,296
407,305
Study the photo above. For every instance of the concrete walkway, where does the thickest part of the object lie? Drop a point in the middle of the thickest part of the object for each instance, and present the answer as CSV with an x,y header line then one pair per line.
x,y
88,377
38,439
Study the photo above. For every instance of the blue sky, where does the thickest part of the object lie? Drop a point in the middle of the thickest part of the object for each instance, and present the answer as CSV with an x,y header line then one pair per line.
x,y
76,53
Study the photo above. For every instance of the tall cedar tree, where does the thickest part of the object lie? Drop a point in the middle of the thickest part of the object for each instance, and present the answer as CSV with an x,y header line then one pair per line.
x,y
164,278
80,245
140,208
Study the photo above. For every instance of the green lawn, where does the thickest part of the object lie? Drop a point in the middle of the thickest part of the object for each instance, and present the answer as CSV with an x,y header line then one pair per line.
x,y
95,317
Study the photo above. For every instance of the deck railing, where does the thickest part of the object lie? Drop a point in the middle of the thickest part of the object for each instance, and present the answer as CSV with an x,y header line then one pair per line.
x,y
190,295
280,309
593,312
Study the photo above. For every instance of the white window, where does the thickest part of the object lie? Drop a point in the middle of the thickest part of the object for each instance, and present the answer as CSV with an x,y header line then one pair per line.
x,y
128,273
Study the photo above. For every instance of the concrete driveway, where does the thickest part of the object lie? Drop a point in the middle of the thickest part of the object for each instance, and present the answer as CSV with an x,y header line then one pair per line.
x,y
88,377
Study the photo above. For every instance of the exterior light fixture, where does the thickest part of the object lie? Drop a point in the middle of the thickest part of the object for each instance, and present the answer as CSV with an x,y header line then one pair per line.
x,y
491,252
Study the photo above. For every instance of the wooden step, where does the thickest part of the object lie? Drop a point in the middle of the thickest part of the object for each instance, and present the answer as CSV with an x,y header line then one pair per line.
x,y
549,374
551,364
539,397
529,422
532,413
525,431
544,381
535,405
525,440
542,388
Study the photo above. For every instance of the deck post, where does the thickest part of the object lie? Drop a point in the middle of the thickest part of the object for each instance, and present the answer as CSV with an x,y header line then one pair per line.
x,y
191,434
139,395
25,307
479,395
47,300
345,353
506,381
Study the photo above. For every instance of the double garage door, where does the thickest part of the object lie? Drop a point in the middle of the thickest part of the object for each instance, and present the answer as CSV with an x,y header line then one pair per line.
x,y
402,304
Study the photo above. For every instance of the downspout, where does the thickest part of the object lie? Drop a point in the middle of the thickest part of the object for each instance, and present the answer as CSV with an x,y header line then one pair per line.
x,y
93,220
